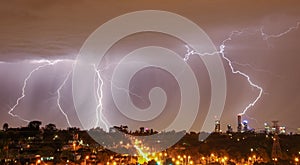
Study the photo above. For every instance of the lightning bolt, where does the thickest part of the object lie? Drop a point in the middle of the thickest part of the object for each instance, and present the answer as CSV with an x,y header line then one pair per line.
x,y
125,90
266,37
230,64
59,96
117,87
221,51
44,63
48,63
256,69
99,94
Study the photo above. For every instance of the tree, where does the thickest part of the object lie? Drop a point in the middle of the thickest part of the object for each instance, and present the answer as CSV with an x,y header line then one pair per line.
x,y
35,125
50,127
5,127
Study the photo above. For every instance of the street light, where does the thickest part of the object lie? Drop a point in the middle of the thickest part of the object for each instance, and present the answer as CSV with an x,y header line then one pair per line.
x,y
86,158
74,147
38,161
275,160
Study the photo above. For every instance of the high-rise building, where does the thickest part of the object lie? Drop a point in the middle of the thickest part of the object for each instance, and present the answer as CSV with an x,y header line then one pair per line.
x,y
239,127
229,129
217,126
245,126
142,129
267,128
282,130
275,128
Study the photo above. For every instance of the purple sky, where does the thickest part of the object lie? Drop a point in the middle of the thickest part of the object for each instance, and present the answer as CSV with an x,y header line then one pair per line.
x,y
57,29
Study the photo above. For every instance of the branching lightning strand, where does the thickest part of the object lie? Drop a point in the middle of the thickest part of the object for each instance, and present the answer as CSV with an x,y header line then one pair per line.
x,y
47,63
221,51
268,36
59,97
99,94
233,70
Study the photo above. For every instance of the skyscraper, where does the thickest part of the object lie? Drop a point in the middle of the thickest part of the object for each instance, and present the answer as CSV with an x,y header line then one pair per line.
x,y
217,126
275,128
229,128
245,126
239,127
267,128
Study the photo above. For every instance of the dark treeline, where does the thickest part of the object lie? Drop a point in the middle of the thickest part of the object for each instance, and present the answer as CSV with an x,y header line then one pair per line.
x,y
72,144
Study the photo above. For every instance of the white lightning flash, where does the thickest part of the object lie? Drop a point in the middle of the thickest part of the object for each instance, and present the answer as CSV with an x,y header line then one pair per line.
x,y
268,36
44,63
117,87
99,94
59,96
256,69
125,90
221,51
233,70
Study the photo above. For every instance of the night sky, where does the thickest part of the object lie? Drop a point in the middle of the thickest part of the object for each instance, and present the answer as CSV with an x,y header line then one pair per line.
x,y
34,30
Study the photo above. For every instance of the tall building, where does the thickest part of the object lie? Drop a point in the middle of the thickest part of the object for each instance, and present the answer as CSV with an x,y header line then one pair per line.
x,y
229,129
275,128
282,130
239,127
245,126
217,126
267,128
142,129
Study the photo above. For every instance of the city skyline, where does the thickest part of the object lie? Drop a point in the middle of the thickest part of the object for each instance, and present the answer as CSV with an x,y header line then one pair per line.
x,y
36,145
